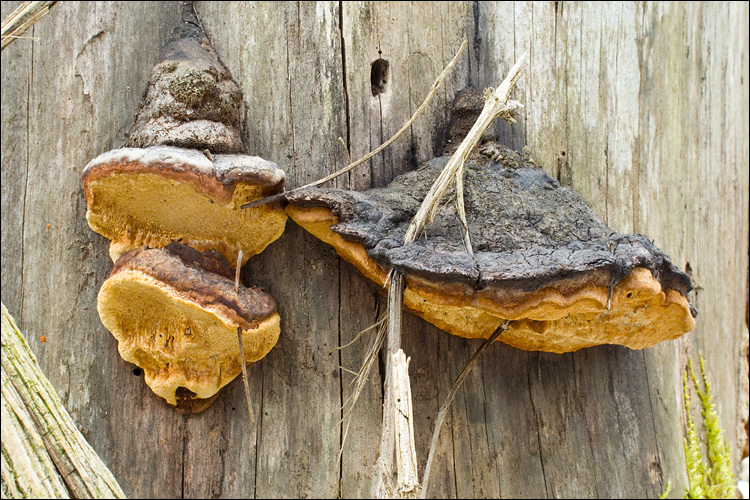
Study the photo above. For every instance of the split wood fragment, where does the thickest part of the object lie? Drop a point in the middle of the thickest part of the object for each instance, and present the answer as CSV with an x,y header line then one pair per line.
x,y
244,376
27,469
46,429
406,456
242,348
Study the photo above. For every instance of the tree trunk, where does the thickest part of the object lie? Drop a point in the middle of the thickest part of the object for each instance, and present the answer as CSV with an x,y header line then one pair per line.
x,y
640,107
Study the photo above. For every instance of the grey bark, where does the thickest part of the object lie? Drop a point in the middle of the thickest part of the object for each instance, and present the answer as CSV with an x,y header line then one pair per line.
x,y
641,108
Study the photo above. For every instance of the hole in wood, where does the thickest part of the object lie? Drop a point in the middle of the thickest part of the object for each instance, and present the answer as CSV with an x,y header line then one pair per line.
x,y
137,372
379,76
184,393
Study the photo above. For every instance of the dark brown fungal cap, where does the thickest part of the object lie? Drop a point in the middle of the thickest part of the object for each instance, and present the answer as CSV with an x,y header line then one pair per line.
x,y
541,255
188,403
175,314
207,279
192,100
217,176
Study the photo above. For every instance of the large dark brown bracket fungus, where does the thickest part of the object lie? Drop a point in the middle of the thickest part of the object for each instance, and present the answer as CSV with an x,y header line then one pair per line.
x,y
542,258
175,313
186,175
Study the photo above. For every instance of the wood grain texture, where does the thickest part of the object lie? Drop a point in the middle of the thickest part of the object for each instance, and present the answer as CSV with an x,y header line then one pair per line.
x,y
14,161
642,108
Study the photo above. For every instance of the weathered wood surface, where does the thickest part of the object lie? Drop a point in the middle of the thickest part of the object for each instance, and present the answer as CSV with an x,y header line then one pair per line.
x,y
44,454
643,108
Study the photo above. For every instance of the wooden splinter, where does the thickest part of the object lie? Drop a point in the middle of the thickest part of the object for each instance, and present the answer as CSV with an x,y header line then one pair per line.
x,y
243,363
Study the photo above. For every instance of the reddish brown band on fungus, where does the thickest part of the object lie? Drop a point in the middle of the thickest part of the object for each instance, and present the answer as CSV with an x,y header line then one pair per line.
x,y
216,179
149,197
178,321
542,259
195,274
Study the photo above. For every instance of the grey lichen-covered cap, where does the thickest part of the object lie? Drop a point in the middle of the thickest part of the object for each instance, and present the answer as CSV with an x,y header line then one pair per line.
x,y
542,258
192,100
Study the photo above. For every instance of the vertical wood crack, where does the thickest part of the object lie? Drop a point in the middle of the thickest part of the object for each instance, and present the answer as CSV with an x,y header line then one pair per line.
x,y
606,128
536,419
579,402
487,432
452,427
182,463
346,93
258,433
349,175
291,111
653,421
29,84
476,45
341,391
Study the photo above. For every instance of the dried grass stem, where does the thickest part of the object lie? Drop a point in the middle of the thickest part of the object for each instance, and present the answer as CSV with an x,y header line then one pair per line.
x,y
21,20
435,86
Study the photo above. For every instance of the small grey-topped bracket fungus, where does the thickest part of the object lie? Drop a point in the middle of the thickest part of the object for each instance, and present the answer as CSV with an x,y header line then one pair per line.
x,y
175,313
186,175
543,258
152,196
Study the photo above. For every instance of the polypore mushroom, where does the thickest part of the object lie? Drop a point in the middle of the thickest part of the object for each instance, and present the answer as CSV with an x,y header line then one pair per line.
x,y
186,176
152,196
542,258
175,313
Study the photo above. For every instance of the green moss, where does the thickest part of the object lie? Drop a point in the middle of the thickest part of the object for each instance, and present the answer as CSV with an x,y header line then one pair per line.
x,y
714,479
667,489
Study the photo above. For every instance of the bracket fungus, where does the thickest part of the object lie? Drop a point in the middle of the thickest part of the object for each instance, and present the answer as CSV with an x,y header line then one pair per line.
x,y
170,205
185,176
542,258
175,312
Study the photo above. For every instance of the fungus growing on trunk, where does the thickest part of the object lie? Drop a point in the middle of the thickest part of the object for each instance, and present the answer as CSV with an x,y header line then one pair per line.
x,y
175,313
542,258
179,314
185,176
152,196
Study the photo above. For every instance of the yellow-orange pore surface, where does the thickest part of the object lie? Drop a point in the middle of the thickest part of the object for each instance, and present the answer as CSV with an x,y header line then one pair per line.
x,y
177,341
135,201
641,313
